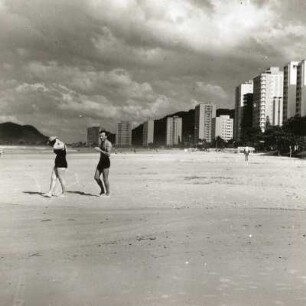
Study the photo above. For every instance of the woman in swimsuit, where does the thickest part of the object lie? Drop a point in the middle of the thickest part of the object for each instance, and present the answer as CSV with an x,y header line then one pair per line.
x,y
60,165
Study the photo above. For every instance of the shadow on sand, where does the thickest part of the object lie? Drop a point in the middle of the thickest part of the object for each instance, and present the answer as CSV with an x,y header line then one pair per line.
x,y
74,192
83,193
36,193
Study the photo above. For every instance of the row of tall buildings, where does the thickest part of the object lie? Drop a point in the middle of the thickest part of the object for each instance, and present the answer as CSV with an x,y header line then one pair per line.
x,y
206,126
270,98
123,134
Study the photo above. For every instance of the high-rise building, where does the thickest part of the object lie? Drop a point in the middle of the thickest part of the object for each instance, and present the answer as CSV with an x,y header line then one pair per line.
x,y
301,89
148,132
223,127
246,114
124,134
240,92
203,119
268,98
290,79
93,136
174,131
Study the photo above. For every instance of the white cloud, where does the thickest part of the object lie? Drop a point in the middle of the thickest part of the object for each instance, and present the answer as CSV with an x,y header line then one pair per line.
x,y
24,88
211,90
288,40
66,92
180,23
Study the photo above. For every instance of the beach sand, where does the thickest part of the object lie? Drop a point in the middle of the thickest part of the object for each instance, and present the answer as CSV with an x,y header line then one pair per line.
x,y
180,228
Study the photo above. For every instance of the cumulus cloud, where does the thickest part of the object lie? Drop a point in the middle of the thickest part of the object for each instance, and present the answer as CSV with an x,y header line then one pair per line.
x,y
212,93
68,93
182,24
211,89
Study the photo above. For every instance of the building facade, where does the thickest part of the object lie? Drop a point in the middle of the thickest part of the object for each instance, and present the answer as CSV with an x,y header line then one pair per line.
x,y
124,134
301,89
174,131
204,113
93,136
223,127
247,111
290,83
240,91
246,115
148,133
268,98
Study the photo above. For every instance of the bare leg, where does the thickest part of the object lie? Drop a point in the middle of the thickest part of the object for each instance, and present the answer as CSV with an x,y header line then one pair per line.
x,y
98,180
247,158
60,173
53,183
105,180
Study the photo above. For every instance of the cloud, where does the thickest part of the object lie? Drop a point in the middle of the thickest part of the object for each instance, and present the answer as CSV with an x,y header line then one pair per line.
x,y
68,64
182,24
68,94
98,29
212,91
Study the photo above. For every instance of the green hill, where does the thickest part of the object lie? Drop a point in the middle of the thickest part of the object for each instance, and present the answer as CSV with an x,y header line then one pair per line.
x,y
15,134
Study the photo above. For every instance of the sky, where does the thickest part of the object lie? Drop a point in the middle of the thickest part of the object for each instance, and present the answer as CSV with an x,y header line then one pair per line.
x,y
67,65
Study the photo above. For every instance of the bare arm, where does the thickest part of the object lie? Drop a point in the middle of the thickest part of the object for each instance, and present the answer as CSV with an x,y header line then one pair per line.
x,y
99,150
107,152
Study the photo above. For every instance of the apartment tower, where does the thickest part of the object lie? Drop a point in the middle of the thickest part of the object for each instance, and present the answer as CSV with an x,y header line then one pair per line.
x,y
301,89
268,98
203,120
93,136
240,91
174,131
246,115
148,132
223,127
124,134
290,82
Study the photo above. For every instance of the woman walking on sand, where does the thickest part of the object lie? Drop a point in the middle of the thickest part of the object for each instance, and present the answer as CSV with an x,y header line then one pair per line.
x,y
104,164
60,165
246,152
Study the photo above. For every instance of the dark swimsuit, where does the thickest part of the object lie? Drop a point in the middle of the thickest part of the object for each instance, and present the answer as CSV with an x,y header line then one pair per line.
x,y
60,159
104,162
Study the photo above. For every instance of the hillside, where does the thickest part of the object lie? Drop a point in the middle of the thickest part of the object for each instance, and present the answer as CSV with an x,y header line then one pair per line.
x,y
15,134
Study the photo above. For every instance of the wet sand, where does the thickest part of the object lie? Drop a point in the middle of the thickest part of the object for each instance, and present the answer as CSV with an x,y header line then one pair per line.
x,y
179,229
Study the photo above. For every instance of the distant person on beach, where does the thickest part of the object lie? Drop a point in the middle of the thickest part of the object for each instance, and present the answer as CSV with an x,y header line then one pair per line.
x,y
103,166
60,165
246,152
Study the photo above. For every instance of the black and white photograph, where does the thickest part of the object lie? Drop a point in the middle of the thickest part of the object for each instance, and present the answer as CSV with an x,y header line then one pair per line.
x,y
152,153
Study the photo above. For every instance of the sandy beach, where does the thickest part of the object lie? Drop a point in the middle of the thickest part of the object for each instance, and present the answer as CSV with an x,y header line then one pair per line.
x,y
180,228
